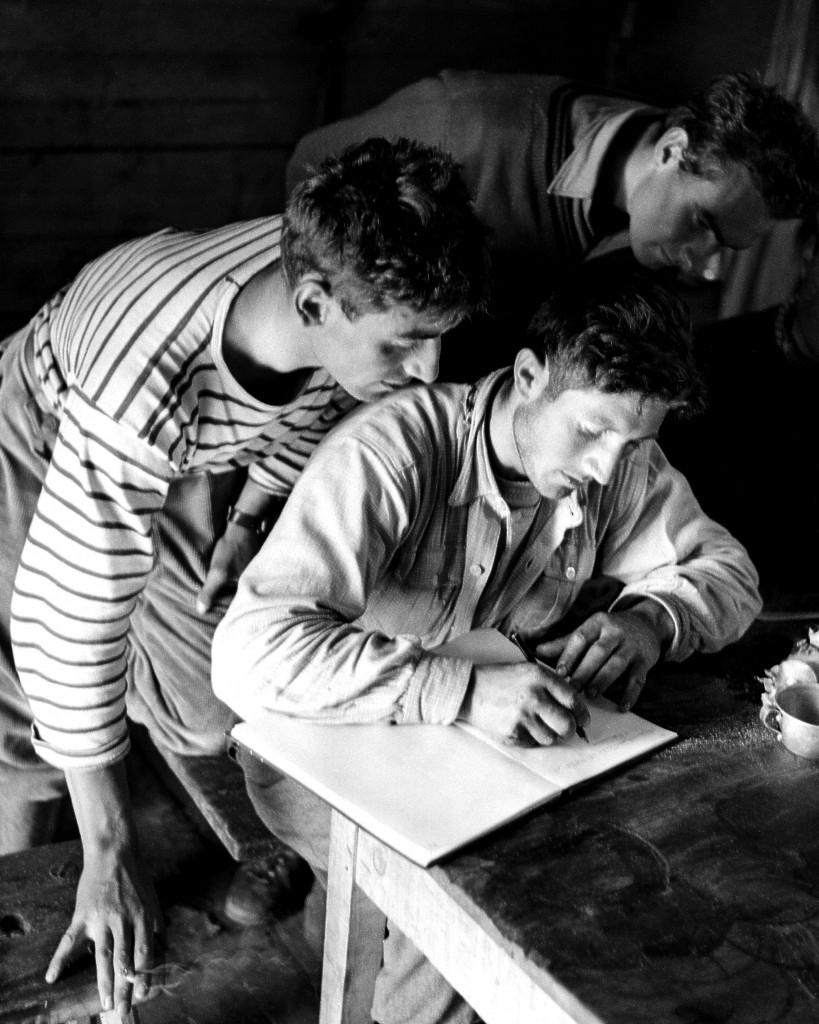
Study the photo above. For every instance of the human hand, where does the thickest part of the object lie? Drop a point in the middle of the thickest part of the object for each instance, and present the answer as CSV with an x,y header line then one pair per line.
x,y
116,910
234,551
523,705
612,646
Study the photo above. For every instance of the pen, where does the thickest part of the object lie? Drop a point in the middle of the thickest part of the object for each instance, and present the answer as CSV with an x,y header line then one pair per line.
x,y
529,655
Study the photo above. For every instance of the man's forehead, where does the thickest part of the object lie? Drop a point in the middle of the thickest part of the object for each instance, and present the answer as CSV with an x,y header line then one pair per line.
x,y
616,410
729,195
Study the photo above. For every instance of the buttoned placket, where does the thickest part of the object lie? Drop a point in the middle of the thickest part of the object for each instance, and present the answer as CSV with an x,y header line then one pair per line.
x,y
567,515
483,535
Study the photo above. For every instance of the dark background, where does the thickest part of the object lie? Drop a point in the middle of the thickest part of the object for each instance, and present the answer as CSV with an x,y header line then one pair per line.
x,y
118,117
121,116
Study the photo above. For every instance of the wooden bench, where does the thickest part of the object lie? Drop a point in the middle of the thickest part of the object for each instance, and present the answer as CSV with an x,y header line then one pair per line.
x,y
212,790
37,893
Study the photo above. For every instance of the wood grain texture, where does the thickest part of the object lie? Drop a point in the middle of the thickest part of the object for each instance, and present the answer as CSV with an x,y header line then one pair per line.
x,y
37,890
684,889
354,933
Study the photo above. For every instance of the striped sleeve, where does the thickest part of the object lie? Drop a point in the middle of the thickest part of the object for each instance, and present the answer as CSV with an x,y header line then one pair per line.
x,y
88,553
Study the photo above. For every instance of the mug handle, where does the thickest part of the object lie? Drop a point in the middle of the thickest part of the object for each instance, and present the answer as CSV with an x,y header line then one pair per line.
x,y
772,720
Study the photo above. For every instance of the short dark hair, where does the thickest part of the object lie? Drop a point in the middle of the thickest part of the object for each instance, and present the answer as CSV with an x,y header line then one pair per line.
x,y
739,118
614,328
389,223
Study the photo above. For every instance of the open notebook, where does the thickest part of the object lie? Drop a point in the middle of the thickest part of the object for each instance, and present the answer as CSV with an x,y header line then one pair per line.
x,y
428,790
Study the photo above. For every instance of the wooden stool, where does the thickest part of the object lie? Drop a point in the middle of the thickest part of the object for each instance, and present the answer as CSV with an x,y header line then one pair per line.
x,y
37,892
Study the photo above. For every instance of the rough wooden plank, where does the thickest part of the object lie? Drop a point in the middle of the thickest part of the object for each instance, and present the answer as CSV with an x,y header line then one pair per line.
x,y
681,889
354,934
37,893
213,789
135,77
79,194
183,26
85,124
492,976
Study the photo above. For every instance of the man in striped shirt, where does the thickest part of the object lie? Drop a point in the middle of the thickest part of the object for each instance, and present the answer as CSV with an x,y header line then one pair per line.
x,y
179,354
456,507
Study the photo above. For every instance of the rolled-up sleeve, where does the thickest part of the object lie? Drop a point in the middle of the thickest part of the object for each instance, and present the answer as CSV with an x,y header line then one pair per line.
x,y
291,642
664,547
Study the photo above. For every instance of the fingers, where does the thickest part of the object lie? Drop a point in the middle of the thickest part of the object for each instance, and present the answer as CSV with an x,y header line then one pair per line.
x,y
103,955
68,949
214,582
550,712
123,968
633,689
143,959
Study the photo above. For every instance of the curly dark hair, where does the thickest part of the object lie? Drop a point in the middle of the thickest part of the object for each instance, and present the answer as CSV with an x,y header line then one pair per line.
x,y
738,118
388,223
612,327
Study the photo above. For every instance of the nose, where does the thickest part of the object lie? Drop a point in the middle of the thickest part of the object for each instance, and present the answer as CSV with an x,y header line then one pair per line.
x,y
423,364
704,261
601,463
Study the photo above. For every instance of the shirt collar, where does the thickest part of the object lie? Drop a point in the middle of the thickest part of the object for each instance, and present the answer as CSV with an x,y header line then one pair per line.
x,y
579,174
476,478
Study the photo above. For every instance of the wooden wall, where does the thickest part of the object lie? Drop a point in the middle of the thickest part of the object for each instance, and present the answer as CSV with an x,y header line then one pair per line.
x,y
121,116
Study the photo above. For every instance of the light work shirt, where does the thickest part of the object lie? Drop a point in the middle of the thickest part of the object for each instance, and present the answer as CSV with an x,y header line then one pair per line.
x,y
389,539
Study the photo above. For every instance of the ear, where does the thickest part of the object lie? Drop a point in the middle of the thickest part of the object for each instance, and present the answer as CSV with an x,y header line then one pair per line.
x,y
670,147
312,301
531,373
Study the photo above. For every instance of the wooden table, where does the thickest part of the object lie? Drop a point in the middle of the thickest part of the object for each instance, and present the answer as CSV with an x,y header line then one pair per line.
x,y
681,890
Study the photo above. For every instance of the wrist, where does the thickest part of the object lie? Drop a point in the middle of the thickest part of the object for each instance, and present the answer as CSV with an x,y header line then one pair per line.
x,y
250,521
658,620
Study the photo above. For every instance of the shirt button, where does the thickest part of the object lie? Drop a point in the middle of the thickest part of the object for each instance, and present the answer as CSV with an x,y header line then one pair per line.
x,y
476,570
571,572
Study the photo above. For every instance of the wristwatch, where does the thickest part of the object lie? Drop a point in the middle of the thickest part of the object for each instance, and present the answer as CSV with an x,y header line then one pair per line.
x,y
256,524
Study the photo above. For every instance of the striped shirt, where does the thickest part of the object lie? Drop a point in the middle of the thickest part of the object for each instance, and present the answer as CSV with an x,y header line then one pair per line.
x,y
130,361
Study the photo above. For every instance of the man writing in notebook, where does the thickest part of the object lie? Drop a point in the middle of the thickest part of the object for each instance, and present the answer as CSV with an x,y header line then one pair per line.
x,y
454,507
168,362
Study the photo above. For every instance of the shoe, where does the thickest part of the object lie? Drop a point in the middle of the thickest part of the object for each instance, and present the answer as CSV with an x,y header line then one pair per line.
x,y
268,887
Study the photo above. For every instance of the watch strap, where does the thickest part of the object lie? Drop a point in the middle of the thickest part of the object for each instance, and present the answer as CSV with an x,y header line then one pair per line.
x,y
256,524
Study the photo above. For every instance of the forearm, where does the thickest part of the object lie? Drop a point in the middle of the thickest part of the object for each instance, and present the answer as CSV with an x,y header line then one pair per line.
x,y
257,501
279,657
102,805
671,553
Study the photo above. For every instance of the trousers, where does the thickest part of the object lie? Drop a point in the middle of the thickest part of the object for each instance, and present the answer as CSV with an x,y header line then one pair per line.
x,y
169,687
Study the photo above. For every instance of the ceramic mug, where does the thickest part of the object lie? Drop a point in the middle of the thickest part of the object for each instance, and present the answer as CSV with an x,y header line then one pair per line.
x,y
794,717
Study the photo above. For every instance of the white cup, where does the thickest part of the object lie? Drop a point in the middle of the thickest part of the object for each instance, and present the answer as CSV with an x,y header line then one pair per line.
x,y
793,716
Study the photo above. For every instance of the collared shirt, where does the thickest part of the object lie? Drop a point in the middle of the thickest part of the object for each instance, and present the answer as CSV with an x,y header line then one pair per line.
x,y
530,148
387,543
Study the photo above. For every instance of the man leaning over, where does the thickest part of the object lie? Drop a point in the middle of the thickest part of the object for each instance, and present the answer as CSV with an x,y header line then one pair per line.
x,y
562,171
179,354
